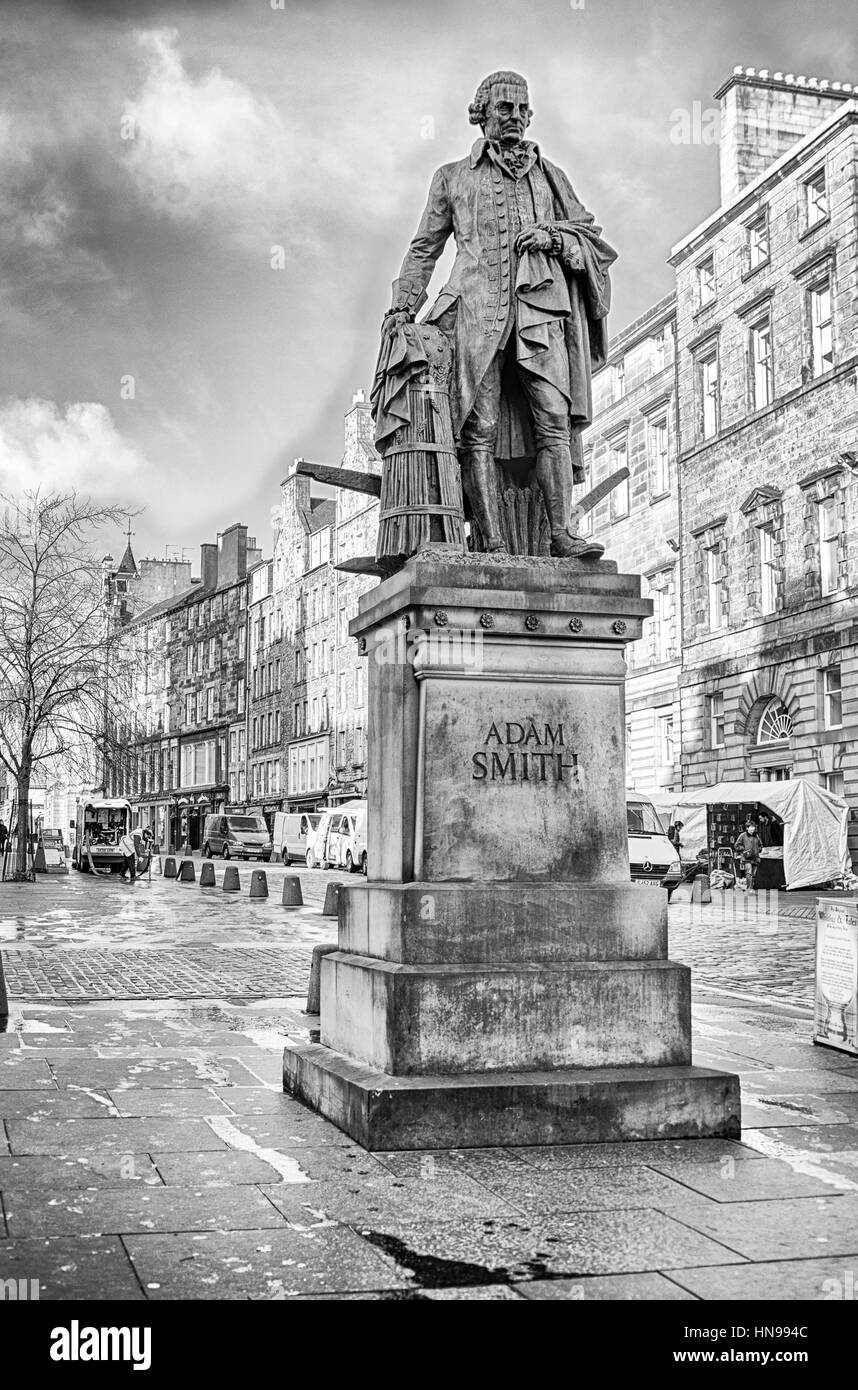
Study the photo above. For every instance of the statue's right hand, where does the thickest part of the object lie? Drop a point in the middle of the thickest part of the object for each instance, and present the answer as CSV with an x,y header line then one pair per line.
x,y
394,319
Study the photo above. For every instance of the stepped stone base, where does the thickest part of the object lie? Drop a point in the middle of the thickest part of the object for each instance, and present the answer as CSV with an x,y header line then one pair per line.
x,y
484,1110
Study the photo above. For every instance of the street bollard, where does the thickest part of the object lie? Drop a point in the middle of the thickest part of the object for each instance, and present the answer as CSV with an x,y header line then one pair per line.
x,y
258,884
231,882
332,901
700,890
187,872
169,867
207,874
292,895
314,989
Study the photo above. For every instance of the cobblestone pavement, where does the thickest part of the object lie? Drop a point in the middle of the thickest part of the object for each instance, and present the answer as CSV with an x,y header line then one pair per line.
x,y
147,1150
250,972
756,945
75,938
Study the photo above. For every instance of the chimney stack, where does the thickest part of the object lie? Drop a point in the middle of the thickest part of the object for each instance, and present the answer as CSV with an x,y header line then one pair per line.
x,y
763,114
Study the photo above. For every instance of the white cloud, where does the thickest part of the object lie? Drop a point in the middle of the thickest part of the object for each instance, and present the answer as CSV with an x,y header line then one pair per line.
x,y
44,445
206,147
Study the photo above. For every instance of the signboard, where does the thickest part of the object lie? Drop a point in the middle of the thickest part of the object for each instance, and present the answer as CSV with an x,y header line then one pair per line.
x,y
836,1009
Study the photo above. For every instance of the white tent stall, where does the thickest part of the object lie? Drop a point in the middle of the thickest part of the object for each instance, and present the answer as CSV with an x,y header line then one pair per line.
x,y
815,824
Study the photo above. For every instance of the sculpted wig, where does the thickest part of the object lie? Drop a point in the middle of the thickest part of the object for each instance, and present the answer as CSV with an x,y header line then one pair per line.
x,y
477,108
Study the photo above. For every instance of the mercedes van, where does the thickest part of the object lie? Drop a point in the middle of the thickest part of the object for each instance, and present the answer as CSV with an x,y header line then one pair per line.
x,y
237,835
653,859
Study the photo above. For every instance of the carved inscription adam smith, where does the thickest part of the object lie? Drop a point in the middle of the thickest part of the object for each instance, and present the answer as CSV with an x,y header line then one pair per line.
x,y
524,752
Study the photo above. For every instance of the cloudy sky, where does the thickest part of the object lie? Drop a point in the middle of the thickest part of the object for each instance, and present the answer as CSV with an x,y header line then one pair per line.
x,y
203,204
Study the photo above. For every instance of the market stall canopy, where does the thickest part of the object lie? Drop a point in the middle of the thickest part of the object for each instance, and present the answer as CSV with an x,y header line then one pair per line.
x,y
815,823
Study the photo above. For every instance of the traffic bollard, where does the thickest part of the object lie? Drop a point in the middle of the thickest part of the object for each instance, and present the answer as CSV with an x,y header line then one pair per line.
x,y
258,884
231,882
169,867
187,872
292,895
314,989
207,874
332,901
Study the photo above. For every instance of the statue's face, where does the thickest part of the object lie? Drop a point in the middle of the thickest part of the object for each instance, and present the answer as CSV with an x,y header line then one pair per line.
x,y
507,113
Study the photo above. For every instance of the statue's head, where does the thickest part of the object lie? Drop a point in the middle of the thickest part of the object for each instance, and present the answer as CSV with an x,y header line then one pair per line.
x,y
501,107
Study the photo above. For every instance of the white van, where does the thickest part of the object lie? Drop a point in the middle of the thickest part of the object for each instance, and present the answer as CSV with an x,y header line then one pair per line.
x,y
346,847
653,859
324,848
316,838
292,832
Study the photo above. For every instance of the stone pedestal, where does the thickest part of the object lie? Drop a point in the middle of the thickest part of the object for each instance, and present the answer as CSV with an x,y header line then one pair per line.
x,y
499,979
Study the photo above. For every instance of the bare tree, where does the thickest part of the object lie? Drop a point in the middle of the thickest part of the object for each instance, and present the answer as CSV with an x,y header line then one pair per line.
x,y
60,650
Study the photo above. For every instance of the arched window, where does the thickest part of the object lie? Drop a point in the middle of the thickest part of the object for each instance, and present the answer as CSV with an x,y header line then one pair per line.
x,y
775,724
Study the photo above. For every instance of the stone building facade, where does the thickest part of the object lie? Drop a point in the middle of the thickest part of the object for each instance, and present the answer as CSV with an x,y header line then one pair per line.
x,y
767,385
265,731
189,695
317,528
634,426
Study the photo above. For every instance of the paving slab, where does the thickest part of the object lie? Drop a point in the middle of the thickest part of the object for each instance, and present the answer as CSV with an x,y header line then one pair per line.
x,y
18,1073
221,1169
116,1136
365,1198
835,1138
763,1180
295,1128
269,1264
99,1211
79,1171
170,1103
761,1112
110,1074
793,1228
96,1269
530,1190
252,1100
506,1251
652,1152
609,1287
823,1279
791,1081
57,1105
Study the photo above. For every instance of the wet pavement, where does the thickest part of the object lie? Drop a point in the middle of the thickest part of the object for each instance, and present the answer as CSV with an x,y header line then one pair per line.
x,y
147,1149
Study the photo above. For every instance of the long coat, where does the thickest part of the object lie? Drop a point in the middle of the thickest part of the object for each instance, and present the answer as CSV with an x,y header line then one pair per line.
x,y
466,199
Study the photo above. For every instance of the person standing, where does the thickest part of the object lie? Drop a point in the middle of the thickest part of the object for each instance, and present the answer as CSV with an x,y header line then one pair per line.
x,y
673,835
765,830
749,846
128,849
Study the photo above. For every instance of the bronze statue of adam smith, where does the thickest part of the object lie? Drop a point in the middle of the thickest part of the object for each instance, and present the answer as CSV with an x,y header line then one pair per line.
x,y
526,308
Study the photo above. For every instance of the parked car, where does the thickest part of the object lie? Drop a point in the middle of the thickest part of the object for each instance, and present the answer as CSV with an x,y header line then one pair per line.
x,y
237,836
293,831
346,843
653,859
